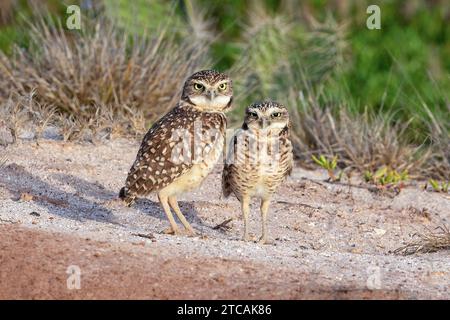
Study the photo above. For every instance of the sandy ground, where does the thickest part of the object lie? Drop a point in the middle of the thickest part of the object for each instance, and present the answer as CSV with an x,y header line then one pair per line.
x,y
59,209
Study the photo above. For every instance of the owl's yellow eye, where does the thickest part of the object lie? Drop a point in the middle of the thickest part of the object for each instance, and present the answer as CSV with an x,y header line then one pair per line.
x,y
276,114
198,86
222,86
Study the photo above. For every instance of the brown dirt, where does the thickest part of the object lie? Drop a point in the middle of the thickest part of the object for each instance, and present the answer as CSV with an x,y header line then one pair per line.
x,y
34,265
58,208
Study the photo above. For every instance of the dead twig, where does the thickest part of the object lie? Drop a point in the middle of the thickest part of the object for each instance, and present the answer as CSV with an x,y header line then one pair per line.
x,y
27,196
299,204
143,235
223,225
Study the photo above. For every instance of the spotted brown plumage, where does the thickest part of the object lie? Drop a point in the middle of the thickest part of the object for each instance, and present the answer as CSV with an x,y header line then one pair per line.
x,y
180,149
260,158
157,163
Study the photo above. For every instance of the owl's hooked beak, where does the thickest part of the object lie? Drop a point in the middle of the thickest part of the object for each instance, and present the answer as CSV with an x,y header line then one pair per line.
x,y
210,94
263,123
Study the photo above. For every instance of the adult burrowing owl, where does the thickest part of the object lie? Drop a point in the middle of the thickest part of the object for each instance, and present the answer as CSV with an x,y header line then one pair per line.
x,y
259,159
180,149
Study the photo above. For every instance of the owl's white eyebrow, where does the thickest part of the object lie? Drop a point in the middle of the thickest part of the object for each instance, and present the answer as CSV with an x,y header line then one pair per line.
x,y
275,110
223,81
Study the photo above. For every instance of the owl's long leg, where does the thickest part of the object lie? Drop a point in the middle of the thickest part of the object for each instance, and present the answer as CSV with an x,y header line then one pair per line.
x,y
245,203
264,209
174,204
163,199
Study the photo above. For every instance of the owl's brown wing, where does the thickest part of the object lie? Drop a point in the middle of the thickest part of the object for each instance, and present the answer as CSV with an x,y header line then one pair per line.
x,y
287,155
290,163
228,168
166,152
226,186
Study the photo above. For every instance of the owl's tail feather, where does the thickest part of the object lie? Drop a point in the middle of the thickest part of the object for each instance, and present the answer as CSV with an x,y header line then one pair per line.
x,y
126,197
226,189
226,186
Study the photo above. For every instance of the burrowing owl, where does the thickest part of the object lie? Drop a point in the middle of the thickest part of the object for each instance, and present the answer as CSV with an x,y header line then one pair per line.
x,y
180,149
259,159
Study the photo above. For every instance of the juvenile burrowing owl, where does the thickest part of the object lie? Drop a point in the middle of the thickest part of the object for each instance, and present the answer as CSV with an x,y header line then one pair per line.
x,y
180,149
259,159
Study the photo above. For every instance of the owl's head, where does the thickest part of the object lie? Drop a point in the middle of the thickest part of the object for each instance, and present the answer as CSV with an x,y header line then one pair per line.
x,y
208,90
266,116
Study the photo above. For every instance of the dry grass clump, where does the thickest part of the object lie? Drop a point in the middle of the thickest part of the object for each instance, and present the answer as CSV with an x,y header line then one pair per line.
x,y
24,117
431,242
99,72
302,68
363,141
366,141
438,165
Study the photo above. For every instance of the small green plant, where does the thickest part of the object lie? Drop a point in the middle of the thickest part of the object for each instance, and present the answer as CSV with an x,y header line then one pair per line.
x,y
329,165
386,177
439,187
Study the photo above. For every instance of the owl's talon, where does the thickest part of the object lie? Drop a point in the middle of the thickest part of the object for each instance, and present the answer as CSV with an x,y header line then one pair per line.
x,y
190,232
264,241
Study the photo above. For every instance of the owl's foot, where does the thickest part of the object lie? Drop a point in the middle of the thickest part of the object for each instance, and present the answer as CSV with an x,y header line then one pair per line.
x,y
190,232
264,240
172,231
178,232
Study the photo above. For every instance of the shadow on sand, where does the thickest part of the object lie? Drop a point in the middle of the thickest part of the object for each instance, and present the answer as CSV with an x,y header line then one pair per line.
x,y
86,202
